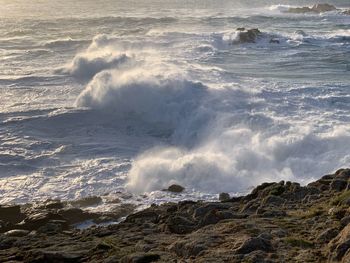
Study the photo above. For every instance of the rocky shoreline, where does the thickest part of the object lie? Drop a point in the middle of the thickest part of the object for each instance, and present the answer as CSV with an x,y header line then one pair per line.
x,y
276,222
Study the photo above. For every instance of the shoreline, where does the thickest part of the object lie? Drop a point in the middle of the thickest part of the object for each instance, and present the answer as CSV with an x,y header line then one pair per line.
x,y
276,222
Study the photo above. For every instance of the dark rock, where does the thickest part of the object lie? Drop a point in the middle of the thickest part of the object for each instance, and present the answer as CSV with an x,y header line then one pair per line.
x,y
214,216
54,205
343,174
146,216
140,258
76,215
35,221
52,256
274,41
338,185
86,201
175,188
180,225
327,235
273,200
254,243
224,197
248,36
11,214
346,12
203,210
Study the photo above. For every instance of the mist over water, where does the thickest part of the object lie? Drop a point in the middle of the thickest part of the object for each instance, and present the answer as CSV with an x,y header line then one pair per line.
x,y
124,99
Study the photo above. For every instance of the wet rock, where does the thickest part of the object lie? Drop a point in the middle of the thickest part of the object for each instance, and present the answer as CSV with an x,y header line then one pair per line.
x,y
248,36
274,41
86,201
346,12
299,10
16,233
224,197
54,205
175,188
11,214
254,243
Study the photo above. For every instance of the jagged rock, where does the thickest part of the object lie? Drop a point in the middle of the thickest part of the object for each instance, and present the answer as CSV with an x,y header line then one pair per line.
x,y
203,210
175,188
54,205
273,200
224,197
255,243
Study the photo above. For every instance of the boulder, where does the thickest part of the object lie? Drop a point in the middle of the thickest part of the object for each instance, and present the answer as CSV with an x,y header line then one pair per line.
x,y
175,188
76,215
338,185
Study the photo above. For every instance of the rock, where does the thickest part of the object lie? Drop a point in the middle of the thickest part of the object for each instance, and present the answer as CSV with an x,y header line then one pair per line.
x,y
214,216
140,258
203,210
346,12
76,215
327,235
273,200
180,225
338,185
175,188
340,244
224,197
16,233
248,36
86,201
35,221
11,214
146,216
54,205
317,8
52,256
254,243
274,41
320,8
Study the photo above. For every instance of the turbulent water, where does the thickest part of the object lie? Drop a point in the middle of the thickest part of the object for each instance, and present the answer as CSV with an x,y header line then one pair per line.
x,y
123,98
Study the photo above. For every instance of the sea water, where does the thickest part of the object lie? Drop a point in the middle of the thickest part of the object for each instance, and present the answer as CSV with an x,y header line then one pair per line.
x,y
121,99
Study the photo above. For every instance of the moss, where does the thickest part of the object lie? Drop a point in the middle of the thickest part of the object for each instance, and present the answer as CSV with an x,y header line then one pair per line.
x,y
298,242
340,199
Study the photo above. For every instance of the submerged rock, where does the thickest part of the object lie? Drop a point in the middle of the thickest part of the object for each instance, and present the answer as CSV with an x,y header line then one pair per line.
x,y
248,36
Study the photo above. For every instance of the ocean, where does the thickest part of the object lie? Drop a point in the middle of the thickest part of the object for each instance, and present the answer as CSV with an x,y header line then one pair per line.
x,y
121,99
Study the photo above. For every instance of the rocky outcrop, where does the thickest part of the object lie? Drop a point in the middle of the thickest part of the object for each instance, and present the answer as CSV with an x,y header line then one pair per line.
x,y
317,8
276,222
